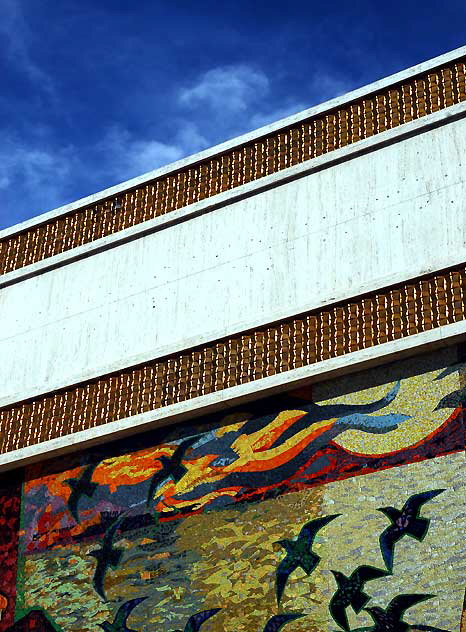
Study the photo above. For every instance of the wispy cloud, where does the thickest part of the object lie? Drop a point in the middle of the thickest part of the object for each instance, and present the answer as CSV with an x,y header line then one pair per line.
x,y
125,155
219,103
324,85
16,39
41,174
31,172
226,89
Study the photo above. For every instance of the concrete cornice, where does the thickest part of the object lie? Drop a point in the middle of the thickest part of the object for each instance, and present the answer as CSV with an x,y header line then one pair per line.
x,y
349,152
442,262
238,395
359,93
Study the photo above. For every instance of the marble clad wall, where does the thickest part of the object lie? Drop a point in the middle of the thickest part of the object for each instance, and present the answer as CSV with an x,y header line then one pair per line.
x,y
414,98
308,511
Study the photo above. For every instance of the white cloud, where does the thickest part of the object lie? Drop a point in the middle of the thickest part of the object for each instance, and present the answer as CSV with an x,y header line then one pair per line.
x,y
16,36
125,155
260,119
4,181
325,86
33,178
33,166
38,173
227,88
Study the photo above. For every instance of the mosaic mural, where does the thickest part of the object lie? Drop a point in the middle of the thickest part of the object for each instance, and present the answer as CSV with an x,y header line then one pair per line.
x,y
334,507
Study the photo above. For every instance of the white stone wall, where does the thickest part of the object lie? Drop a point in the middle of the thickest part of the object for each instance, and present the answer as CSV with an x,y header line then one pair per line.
x,y
382,217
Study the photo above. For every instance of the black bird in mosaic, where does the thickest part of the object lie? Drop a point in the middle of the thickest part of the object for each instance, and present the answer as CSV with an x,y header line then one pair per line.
x,y
277,622
405,522
172,467
81,486
390,619
453,400
107,557
349,592
196,620
123,612
449,370
299,553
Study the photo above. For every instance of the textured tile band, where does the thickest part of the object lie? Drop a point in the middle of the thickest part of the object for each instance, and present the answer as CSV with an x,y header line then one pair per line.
x,y
390,314
413,99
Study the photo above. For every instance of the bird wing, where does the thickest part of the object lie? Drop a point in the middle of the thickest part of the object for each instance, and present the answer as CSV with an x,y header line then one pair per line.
x,y
338,410
111,531
311,528
125,610
365,574
415,502
338,612
387,541
449,370
316,413
284,570
399,604
98,579
452,400
179,453
155,481
88,472
279,620
196,620
374,424
104,561
72,502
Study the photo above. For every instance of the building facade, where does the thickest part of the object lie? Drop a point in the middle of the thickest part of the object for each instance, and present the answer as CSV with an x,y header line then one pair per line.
x,y
233,389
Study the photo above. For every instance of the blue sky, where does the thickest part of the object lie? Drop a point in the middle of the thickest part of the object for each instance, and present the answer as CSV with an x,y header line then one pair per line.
x,y
98,91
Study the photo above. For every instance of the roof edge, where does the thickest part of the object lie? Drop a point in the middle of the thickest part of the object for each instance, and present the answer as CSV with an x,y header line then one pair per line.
x,y
238,141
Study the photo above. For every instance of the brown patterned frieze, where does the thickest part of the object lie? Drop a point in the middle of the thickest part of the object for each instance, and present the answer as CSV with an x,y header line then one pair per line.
x,y
386,315
413,99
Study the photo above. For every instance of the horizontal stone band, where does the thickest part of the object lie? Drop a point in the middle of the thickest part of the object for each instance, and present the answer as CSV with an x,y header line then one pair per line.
x,y
413,99
389,314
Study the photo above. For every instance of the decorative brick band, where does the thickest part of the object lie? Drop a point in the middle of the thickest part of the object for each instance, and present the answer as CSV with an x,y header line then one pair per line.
x,y
393,106
389,314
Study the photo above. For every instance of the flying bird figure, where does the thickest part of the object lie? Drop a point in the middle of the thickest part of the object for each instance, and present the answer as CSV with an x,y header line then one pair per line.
x,y
123,612
320,412
171,467
349,592
277,622
299,553
261,413
452,400
196,620
80,486
107,557
449,370
405,522
253,478
390,619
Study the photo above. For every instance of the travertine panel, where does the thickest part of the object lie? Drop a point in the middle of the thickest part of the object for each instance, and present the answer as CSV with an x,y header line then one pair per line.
x,y
352,228
415,98
373,319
